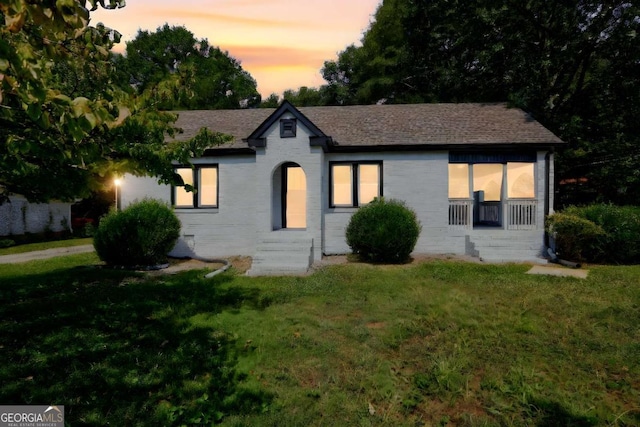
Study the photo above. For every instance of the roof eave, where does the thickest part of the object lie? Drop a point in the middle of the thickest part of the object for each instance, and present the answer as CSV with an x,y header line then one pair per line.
x,y
321,141
256,142
228,151
549,145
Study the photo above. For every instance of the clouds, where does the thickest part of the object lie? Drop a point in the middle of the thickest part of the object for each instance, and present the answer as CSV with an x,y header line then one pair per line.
x,y
234,20
268,56
282,43
279,68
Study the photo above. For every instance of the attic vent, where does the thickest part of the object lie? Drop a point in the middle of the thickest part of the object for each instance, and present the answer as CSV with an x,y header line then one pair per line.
x,y
288,128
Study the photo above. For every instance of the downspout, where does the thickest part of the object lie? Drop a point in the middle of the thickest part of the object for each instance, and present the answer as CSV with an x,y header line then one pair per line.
x,y
547,169
225,267
547,210
556,260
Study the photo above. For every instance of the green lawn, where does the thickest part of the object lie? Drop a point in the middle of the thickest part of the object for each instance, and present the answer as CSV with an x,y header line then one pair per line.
x,y
441,343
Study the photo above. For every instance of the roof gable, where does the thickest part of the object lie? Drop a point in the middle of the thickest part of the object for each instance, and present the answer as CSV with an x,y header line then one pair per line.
x,y
317,138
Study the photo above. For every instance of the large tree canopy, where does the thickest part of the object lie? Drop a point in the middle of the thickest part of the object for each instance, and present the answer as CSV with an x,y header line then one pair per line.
x,y
574,65
215,79
64,122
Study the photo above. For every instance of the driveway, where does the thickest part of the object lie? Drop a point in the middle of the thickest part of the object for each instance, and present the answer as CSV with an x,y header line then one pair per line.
x,y
47,253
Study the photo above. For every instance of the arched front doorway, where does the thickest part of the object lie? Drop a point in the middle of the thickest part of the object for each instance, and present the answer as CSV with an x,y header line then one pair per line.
x,y
289,199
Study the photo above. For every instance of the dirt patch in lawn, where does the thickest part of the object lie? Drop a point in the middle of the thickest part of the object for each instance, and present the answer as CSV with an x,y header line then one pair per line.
x,y
415,259
239,263
376,325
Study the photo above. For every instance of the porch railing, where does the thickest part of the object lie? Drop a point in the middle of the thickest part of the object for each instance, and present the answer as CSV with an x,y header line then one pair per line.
x,y
522,214
460,213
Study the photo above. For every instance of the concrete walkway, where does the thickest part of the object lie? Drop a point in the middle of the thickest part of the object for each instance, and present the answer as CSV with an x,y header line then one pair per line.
x,y
45,254
559,271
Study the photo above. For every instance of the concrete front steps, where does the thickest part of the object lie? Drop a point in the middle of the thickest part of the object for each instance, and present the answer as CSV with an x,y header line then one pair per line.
x,y
502,246
282,252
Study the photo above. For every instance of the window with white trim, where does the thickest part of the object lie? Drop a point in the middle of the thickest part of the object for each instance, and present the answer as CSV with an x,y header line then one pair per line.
x,y
354,184
204,179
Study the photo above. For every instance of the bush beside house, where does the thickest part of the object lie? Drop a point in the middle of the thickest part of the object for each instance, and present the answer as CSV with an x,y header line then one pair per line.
x,y
140,235
383,231
597,233
576,238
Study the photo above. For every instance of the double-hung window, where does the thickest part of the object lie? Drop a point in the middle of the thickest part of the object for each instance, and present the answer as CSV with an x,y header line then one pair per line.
x,y
204,180
354,184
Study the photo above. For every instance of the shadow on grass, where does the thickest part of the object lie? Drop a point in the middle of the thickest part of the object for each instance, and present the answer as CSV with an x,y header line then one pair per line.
x,y
119,349
553,414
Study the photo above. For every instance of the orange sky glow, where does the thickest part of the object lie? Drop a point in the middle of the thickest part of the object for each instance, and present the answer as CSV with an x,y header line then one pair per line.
x,y
281,43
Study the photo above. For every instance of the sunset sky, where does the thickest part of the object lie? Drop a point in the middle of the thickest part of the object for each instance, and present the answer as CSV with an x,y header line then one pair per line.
x,y
282,43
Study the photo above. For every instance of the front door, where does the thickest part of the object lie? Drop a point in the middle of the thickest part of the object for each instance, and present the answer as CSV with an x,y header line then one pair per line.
x,y
294,197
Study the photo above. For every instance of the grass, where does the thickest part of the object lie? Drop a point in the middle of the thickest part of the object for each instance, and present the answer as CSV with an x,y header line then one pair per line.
x,y
30,247
440,343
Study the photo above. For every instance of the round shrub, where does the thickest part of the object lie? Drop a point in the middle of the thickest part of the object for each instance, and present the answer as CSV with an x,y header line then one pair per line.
x,y
576,238
141,234
383,231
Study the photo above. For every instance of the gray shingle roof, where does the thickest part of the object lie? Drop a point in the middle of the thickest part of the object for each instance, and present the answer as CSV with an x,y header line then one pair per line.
x,y
389,125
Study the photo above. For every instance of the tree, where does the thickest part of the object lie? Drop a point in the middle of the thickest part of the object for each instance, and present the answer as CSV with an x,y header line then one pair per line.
x,y
303,97
151,57
64,123
215,79
574,65
338,74
271,102
374,71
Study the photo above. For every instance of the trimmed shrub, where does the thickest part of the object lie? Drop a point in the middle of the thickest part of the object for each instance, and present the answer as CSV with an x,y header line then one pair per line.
x,y
620,243
141,234
383,231
576,238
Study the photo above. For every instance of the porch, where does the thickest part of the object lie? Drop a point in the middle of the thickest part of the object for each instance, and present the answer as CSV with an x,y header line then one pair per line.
x,y
499,231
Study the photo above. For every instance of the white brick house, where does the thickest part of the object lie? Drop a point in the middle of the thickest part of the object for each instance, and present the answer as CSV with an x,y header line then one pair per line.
x,y
479,177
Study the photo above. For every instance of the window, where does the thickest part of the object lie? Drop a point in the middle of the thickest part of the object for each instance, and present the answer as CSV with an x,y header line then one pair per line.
x,y
487,177
182,198
458,181
354,184
204,179
520,182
